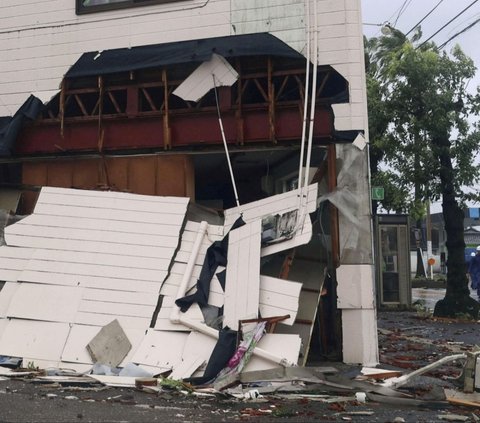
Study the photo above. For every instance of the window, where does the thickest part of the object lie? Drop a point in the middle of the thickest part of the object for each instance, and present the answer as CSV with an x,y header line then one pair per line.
x,y
90,6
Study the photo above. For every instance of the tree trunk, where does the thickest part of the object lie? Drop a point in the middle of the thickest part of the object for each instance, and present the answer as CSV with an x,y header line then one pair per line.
x,y
457,299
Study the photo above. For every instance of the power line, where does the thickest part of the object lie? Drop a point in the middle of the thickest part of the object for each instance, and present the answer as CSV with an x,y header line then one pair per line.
x,y
459,33
425,17
449,22
400,12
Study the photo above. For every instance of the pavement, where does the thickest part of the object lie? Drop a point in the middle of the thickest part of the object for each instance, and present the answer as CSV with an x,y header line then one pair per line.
x,y
408,340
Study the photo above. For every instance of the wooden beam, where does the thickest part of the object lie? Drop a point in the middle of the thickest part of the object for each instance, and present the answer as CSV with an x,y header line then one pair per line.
x,y
62,107
167,142
239,103
271,103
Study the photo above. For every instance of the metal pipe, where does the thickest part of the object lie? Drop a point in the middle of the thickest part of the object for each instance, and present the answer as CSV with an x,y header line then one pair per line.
x,y
305,103
207,330
225,142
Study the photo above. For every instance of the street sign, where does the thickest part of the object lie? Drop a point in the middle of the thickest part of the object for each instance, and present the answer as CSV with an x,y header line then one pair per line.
x,y
378,193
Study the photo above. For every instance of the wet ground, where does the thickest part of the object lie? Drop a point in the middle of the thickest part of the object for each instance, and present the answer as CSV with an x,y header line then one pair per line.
x,y
408,340
429,296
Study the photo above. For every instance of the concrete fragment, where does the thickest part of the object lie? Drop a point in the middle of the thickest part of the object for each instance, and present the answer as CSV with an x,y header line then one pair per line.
x,y
110,345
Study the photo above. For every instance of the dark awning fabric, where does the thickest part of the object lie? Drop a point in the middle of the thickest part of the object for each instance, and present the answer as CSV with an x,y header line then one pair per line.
x,y
11,126
152,56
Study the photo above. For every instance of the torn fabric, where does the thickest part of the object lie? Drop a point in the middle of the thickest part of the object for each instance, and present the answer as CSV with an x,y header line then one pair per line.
x,y
10,127
216,256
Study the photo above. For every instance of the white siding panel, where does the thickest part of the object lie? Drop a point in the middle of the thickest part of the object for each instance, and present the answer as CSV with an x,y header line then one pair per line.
x,y
89,281
287,346
16,253
279,297
94,213
6,294
99,225
124,297
243,274
88,246
116,309
160,349
40,340
114,260
61,35
45,302
89,235
82,198
163,319
96,319
96,271
276,204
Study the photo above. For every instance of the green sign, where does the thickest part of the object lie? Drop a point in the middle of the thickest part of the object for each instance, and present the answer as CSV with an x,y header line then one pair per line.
x,y
378,193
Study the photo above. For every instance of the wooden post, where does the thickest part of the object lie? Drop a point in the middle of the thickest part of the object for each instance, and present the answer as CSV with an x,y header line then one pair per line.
x,y
271,102
100,111
62,107
238,112
166,124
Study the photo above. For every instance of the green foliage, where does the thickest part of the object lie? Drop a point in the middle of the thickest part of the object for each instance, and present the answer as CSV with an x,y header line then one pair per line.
x,y
417,96
425,141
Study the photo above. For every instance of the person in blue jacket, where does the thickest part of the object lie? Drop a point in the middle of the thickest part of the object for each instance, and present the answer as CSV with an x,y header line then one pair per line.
x,y
474,271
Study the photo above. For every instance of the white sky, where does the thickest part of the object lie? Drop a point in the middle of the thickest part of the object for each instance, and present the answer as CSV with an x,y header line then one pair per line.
x,y
405,14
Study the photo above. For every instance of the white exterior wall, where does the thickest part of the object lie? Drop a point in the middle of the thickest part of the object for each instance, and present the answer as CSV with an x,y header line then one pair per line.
x,y
40,40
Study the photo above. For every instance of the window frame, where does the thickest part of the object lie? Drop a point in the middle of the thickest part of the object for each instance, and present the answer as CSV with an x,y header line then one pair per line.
x,y
80,9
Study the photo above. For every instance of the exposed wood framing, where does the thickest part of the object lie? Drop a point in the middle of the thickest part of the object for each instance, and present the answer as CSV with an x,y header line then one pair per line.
x,y
238,112
271,102
100,113
166,125
62,107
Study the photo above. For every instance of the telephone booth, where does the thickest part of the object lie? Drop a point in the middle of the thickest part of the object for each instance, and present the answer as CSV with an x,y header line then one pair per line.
x,y
392,252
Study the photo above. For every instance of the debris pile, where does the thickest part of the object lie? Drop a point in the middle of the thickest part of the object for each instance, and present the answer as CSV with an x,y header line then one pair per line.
x,y
114,278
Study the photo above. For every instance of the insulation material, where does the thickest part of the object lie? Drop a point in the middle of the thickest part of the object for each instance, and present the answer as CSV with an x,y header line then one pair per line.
x,y
351,198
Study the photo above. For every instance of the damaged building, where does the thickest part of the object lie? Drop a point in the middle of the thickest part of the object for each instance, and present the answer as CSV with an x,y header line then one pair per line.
x,y
175,173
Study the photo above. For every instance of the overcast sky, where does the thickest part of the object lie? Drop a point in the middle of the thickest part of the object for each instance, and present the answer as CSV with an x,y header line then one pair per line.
x,y
404,15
